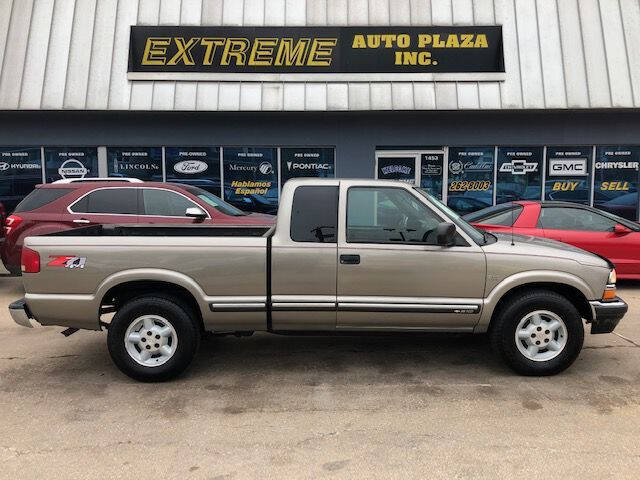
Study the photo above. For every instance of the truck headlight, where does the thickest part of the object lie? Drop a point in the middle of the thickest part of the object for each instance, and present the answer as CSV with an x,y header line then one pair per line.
x,y
610,290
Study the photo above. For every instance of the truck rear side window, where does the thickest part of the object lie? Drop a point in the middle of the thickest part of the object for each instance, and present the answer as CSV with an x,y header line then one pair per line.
x,y
314,216
41,197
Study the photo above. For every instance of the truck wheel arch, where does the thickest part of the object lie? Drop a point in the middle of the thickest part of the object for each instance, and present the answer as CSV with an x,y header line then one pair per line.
x,y
576,291
124,286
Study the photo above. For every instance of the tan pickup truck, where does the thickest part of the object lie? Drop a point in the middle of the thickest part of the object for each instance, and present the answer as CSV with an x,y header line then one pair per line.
x,y
345,255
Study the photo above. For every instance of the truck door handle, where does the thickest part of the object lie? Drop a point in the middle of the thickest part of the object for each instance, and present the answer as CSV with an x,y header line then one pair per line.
x,y
81,220
349,259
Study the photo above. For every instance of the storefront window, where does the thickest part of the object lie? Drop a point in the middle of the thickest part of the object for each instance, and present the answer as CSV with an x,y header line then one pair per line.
x,y
144,163
197,166
519,174
397,168
306,162
20,172
70,162
431,173
470,185
616,180
251,178
569,174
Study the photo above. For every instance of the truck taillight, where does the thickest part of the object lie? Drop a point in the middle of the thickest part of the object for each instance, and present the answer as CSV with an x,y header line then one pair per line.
x,y
30,261
11,223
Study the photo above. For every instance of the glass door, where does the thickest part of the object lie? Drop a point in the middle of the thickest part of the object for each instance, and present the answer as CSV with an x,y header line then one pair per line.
x,y
401,166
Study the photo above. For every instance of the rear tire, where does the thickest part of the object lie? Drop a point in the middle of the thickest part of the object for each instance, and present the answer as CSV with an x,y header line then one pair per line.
x,y
153,338
538,333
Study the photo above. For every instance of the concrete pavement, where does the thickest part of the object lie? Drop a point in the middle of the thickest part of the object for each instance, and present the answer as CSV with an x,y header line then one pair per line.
x,y
268,406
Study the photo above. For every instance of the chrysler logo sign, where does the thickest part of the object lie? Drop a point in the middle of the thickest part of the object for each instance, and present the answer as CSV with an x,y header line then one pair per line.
x,y
190,167
559,167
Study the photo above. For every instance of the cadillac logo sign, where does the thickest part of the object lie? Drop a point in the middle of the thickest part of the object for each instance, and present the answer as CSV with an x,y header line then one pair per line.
x,y
190,167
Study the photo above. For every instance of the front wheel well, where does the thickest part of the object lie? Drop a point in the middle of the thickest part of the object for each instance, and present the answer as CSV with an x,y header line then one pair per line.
x,y
572,294
120,294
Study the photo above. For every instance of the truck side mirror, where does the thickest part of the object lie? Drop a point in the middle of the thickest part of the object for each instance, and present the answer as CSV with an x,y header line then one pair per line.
x,y
196,213
446,234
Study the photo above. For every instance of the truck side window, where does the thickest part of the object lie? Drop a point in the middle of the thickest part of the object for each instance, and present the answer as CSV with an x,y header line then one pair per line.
x,y
314,215
388,215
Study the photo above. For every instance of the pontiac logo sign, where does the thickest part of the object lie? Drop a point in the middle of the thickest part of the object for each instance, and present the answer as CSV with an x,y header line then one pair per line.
x,y
190,167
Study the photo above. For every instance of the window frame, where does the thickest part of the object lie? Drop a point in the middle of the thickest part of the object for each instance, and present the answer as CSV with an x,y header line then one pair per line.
x,y
410,193
81,197
139,199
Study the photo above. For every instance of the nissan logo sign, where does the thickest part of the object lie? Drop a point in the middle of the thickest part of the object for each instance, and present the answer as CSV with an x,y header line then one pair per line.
x,y
72,168
190,167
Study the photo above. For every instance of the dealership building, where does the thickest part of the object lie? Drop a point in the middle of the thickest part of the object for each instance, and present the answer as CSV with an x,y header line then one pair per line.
x,y
478,101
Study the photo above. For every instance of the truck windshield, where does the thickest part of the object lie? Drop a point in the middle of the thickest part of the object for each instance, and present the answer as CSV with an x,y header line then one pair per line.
x,y
215,202
476,235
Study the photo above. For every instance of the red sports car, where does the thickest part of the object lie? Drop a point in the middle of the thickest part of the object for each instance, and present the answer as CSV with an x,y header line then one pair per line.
x,y
585,227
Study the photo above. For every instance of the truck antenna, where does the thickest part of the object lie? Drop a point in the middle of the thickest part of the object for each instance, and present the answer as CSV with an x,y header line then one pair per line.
x,y
512,222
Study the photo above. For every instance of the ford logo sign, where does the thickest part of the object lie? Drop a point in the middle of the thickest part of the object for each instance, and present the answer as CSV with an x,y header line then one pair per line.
x,y
190,167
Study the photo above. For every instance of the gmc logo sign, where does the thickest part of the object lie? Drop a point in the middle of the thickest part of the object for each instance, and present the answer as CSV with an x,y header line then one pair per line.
x,y
564,167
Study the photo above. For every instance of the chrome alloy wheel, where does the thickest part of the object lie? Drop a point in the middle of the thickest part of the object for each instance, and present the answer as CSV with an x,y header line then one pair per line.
x,y
151,340
541,335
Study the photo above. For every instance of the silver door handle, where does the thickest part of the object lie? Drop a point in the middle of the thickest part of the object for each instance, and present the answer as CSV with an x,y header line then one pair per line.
x,y
81,220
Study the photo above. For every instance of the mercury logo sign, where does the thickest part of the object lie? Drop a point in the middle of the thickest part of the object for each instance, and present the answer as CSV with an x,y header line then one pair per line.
x,y
308,166
265,168
190,167
72,168
519,167
559,167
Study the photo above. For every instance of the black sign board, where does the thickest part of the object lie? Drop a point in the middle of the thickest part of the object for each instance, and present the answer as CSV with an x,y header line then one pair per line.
x,y
144,163
397,168
70,162
251,178
569,174
616,180
20,171
470,178
519,174
306,162
197,166
431,173
278,50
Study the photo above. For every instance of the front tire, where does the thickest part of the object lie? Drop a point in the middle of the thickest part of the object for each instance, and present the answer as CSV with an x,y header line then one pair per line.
x,y
538,333
153,338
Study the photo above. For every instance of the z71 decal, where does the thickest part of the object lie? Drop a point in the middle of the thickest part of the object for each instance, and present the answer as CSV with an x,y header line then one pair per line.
x,y
67,261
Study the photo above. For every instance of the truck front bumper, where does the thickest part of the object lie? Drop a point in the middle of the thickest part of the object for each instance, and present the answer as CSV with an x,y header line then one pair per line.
x,y
606,315
21,314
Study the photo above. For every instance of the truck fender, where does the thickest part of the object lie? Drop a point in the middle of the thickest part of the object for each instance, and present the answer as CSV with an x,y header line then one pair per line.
x,y
153,274
523,278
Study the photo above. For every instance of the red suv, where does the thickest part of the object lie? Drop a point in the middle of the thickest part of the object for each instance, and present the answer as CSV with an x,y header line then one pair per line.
x,y
68,204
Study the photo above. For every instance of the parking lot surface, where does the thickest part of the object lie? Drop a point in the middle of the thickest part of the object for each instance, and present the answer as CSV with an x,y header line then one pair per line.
x,y
269,406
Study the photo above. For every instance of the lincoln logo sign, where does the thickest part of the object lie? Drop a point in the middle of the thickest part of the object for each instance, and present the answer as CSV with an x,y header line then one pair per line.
x,y
210,53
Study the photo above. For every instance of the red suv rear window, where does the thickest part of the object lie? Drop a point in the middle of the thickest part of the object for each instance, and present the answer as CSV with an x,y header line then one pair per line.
x,y
41,197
